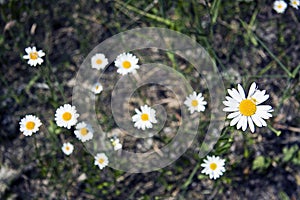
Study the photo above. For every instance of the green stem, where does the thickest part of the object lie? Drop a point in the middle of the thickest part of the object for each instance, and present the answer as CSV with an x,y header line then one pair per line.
x,y
189,180
278,133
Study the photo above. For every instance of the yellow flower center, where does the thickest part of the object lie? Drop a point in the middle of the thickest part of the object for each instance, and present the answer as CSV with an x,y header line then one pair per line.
x,y
101,160
98,61
145,117
126,64
84,131
30,125
194,103
247,107
33,55
97,87
279,6
67,116
294,3
67,148
213,166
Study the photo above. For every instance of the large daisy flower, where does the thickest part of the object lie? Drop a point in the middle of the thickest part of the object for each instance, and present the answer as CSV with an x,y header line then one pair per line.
x,y
84,132
295,3
126,63
144,118
279,6
99,61
244,110
101,160
195,102
29,124
34,56
67,148
66,116
213,166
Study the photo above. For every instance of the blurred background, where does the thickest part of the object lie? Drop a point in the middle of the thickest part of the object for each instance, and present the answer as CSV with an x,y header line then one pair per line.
x,y
248,41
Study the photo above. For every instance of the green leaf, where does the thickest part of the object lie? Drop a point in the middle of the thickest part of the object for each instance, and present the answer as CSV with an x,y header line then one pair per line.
x,y
261,162
288,153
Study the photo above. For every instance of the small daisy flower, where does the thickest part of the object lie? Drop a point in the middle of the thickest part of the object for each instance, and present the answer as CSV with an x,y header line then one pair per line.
x,y
29,124
97,88
67,148
66,116
279,6
84,132
144,118
116,143
244,110
295,3
213,166
34,56
99,61
126,63
101,160
195,102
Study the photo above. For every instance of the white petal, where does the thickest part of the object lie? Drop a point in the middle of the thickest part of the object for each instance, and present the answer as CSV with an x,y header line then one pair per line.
x,y
234,93
241,91
244,125
256,120
251,125
230,109
233,115
235,120
252,89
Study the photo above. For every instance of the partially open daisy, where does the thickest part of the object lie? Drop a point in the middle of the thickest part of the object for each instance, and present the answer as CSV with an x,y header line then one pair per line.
x,y
29,125
295,3
279,6
67,148
34,56
195,102
144,118
101,160
213,166
97,88
126,63
66,116
99,61
116,143
84,132
247,110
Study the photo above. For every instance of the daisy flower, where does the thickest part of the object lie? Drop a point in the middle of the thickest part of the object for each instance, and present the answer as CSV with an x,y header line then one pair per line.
x,y
34,56
279,6
295,3
144,118
101,160
29,124
67,148
126,63
99,61
97,88
66,116
195,102
247,110
84,132
213,166
116,143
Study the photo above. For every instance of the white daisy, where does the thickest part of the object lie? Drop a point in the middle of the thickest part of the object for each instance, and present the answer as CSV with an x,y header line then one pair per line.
x,y
34,56
195,102
97,88
67,148
84,132
247,110
29,124
295,3
213,166
66,116
99,61
116,143
101,160
279,6
144,118
126,63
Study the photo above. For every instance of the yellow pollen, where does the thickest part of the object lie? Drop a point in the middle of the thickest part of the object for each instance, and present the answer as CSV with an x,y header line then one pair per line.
x,y
247,107
194,103
98,61
97,87
30,125
279,6
67,148
126,64
145,117
84,131
101,160
66,116
213,166
33,55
